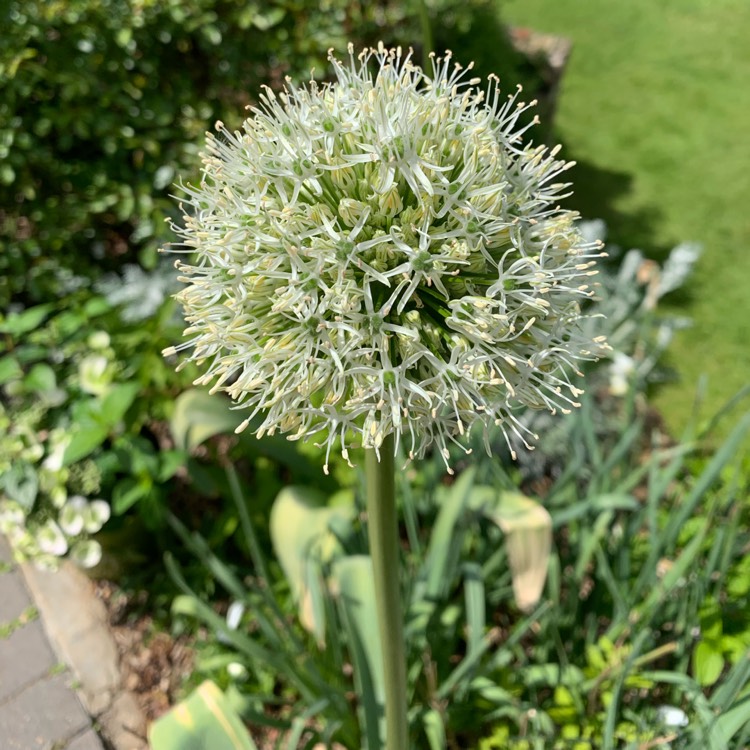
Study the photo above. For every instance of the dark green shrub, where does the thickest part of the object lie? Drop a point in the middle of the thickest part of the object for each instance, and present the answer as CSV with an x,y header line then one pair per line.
x,y
102,102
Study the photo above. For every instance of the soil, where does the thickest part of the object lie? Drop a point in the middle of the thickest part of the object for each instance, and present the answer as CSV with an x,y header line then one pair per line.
x,y
153,663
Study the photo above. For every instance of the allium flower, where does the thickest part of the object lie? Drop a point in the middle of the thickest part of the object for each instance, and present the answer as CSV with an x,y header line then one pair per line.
x,y
382,254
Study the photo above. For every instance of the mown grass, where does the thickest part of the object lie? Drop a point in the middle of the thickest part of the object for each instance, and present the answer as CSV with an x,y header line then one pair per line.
x,y
655,107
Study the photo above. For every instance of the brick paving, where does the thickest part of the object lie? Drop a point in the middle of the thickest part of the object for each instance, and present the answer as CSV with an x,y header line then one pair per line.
x,y
39,706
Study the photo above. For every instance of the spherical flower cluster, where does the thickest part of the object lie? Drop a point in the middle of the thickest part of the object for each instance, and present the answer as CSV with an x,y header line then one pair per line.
x,y
383,255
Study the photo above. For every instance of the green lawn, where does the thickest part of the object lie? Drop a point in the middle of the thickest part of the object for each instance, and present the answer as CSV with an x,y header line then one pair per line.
x,y
655,107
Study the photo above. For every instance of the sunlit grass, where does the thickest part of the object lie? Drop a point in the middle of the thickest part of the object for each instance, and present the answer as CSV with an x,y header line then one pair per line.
x,y
655,106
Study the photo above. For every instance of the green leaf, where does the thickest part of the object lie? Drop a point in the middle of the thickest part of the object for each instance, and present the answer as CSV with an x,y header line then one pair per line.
x,y
434,729
591,540
170,462
354,579
9,369
123,37
137,455
21,484
29,353
284,452
302,538
128,492
595,657
661,589
198,415
708,663
735,647
264,21
609,501
711,625
729,723
253,651
86,438
212,34
16,324
204,720
41,378
117,401
565,710
475,605
709,475
492,692
444,536
10,67
550,675
732,686
96,306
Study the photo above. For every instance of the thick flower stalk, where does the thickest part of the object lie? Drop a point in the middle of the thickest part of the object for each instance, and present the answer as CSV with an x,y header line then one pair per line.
x,y
383,255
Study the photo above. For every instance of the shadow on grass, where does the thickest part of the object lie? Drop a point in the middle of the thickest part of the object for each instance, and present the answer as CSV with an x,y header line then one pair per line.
x,y
597,191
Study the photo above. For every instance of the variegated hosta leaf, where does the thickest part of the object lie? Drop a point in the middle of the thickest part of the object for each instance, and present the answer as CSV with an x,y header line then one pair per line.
x,y
205,720
528,540
300,533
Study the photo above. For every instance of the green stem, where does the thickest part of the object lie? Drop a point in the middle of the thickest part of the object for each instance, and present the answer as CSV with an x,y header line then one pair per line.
x,y
382,524
427,43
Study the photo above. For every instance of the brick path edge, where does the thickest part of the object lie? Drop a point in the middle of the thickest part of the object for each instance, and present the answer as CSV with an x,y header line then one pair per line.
x,y
76,624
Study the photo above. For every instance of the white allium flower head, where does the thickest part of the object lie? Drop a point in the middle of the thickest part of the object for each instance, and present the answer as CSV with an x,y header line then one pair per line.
x,y
383,254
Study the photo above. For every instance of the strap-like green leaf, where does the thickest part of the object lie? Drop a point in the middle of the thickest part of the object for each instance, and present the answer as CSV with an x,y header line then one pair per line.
x,y
354,579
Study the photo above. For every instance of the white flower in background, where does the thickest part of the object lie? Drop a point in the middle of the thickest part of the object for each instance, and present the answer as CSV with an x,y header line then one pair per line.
x,y
384,255
237,671
71,517
95,515
12,516
56,444
98,340
79,515
621,372
593,230
138,293
94,374
50,539
672,717
87,553
234,617
678,266
22,541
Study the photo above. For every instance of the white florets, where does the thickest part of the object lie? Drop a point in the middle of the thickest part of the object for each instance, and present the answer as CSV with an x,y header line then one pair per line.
x,y
383,254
